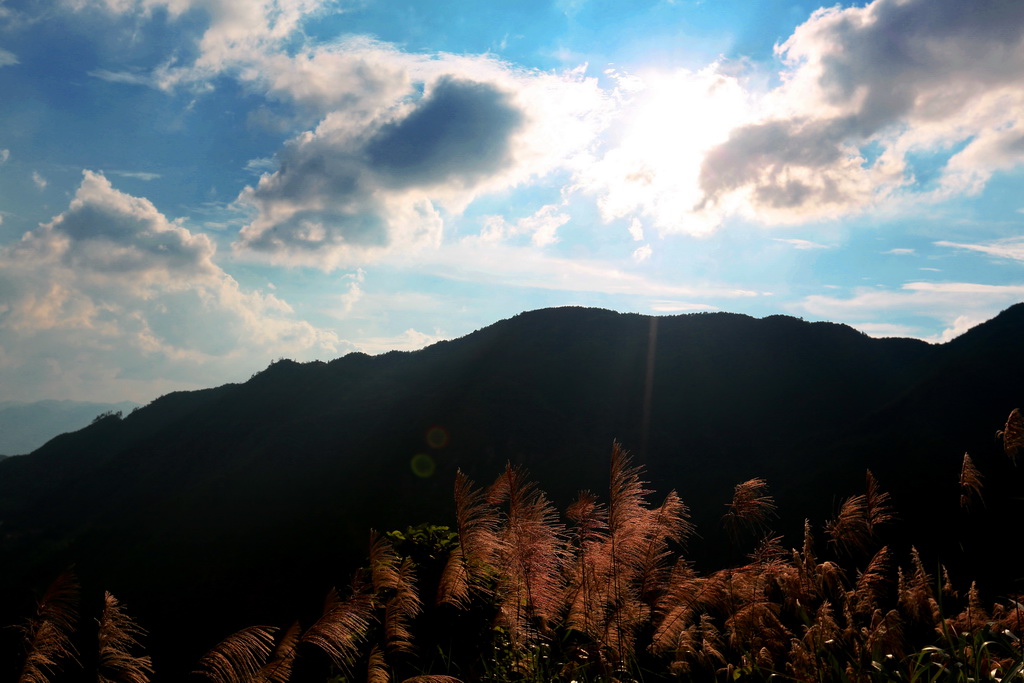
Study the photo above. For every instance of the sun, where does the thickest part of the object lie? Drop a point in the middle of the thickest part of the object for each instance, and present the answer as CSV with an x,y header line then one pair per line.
x,y
671,120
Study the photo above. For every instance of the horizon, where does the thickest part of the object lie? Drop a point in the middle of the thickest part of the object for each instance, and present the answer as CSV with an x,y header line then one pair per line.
x,y
190,190
256,371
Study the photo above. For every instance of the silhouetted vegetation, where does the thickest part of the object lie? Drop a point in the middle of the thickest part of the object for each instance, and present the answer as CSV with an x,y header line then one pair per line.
x,y
517,593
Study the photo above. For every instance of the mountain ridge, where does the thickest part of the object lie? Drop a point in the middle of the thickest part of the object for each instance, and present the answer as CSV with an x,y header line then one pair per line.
x,y
275,482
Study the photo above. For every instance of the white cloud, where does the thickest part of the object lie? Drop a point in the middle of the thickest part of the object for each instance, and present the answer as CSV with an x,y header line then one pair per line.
x,y
358,75
351,190
236,33
131,78
5,154
666,306
541,226
7,58
410,340
800,244
953,305
352,296
260,166
477,259
960,324
112,298
887,330
1010,248
402,141
866,93
137,175
900,251
642,253
865,87
39,180
636,230
864,90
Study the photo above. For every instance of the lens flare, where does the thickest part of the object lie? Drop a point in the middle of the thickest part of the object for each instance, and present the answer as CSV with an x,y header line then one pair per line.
x,y
423,465
437,437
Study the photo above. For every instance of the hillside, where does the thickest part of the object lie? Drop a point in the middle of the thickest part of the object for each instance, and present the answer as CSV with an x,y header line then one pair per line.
x,y
242,501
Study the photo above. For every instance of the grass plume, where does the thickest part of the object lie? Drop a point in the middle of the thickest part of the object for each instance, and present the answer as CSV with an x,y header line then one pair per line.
x,y
342,628
1012,435
118,638
47,635
970,483
239,657
472,562
751,509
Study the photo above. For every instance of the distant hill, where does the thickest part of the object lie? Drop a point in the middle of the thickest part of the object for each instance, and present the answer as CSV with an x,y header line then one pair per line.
x,y
241,504
25,427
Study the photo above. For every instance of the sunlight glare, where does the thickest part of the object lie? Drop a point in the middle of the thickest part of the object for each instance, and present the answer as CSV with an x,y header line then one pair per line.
x,y
673,120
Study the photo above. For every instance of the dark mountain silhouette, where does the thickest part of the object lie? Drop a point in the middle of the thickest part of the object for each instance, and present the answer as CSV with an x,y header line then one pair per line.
x,y
211,510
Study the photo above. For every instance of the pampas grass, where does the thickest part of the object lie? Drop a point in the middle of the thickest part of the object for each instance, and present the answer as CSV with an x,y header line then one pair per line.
x,y
970,483
118,639
609,595
1012,435
530,551
470,565
342,628
751,509
279,668
47,636
239,657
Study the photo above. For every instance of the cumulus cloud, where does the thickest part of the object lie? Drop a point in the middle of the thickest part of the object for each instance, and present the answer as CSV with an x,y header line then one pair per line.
x,y
867,92
458,133
357,74
641,254
400,139
352,190
7,58
348,300
541,226
636,230
866,87
38,180
410,340
112,294
260,43
235,31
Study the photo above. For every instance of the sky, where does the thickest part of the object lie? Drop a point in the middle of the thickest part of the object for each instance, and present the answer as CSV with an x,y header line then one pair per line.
x,y
191,189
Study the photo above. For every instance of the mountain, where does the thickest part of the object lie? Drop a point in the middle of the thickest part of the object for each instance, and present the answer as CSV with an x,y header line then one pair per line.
x,y
210,510
25,427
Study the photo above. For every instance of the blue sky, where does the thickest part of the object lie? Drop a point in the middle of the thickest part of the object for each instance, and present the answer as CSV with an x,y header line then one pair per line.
x,y
190,189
